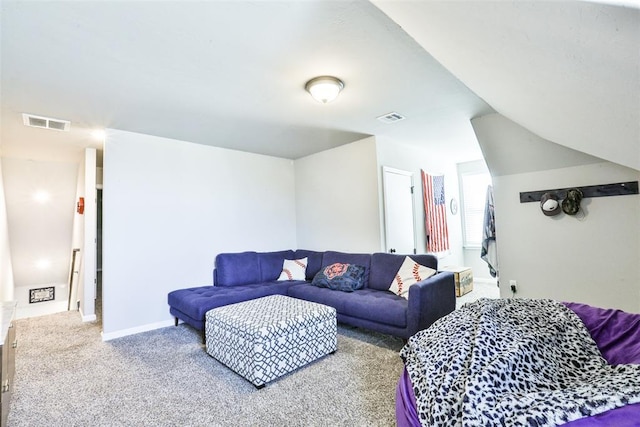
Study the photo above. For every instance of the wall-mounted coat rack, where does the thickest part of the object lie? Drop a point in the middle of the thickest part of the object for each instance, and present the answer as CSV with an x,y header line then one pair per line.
x,y
604,190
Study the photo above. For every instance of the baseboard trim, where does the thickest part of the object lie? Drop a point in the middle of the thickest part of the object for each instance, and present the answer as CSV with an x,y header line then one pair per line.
x,y
89,318
108,336
40,309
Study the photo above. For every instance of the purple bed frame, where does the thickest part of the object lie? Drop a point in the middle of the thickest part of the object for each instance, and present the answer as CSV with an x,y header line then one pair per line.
x,y
617,335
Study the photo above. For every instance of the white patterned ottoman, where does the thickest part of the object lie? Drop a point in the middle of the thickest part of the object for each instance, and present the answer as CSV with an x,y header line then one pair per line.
x,y
266,338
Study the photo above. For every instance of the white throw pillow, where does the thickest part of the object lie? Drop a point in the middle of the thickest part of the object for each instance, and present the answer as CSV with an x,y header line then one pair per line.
x,y
294,269
410,273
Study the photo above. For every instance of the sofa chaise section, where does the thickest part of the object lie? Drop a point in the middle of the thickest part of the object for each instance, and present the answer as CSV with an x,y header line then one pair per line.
x,y
190,305
237,277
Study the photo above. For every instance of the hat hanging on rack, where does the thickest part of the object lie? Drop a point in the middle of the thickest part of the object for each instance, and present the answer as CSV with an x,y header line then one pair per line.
x,y
549,204
571,203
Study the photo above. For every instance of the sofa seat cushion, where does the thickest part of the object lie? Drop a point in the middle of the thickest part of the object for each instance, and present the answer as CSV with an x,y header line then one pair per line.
x,y
377,306
195,302
308,292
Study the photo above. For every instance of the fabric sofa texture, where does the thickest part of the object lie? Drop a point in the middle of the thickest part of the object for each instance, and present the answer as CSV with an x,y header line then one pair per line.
x,y
244,276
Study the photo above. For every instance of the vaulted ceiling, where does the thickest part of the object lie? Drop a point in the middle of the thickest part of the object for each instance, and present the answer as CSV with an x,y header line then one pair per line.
x,y
568,71
232,74
228,74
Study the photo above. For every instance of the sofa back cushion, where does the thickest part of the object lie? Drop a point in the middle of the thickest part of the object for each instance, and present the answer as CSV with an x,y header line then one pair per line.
x,y
385,266
364,260
245,268
271,264
232,269
314,261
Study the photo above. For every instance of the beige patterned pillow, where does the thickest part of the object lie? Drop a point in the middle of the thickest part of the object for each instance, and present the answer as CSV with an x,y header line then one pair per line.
x,y
410,273
293,269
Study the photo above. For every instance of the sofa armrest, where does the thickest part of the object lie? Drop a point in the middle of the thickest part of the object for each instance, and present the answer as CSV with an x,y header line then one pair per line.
x,y
430,300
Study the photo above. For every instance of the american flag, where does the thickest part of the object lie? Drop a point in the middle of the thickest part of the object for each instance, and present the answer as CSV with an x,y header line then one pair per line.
x,y
435,213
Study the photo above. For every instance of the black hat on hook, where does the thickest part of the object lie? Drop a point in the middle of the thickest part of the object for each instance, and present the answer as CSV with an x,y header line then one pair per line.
x,y
571,203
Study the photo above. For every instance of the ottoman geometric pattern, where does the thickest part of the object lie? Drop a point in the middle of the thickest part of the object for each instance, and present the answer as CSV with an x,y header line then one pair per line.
x,y
268,337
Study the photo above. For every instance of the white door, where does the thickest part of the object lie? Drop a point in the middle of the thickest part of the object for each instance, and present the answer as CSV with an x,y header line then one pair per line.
x,y
398,211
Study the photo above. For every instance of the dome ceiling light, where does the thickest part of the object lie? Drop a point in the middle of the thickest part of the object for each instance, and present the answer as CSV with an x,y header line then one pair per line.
x,y
324,88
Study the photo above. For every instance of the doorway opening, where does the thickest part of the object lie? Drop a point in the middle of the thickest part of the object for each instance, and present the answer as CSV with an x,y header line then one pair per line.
x,y
99,255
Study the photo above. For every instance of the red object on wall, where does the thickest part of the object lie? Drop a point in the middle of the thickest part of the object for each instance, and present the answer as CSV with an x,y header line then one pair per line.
x,y
81,205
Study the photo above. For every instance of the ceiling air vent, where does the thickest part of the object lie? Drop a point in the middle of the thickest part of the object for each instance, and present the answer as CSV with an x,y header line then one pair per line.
x,y
45,122
391,117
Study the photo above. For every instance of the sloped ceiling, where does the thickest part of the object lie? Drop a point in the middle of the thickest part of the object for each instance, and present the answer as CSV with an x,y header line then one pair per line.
x,y
510,149
567,71
224,73
231,74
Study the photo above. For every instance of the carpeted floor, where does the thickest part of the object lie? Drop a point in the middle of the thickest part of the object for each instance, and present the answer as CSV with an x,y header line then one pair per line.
x,y
66,376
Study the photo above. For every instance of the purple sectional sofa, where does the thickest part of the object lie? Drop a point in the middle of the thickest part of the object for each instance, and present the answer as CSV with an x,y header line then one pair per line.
x,y
244,276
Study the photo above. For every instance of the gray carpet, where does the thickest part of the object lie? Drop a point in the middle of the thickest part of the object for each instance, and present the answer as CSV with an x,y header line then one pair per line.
x,y
66,376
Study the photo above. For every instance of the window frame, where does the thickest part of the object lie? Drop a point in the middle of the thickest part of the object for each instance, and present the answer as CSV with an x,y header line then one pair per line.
x,y
467,169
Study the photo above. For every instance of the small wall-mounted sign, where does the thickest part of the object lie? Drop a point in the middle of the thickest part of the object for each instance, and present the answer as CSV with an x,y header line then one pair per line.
x,y
42,294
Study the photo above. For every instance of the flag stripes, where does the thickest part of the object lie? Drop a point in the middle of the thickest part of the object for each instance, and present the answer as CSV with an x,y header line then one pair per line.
x,y
435,209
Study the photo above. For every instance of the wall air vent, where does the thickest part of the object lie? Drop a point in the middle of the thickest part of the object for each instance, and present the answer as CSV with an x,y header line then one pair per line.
x,y
391,117
45,122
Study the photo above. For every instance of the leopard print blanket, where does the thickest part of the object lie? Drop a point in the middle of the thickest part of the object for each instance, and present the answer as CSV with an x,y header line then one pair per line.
x,y
513,362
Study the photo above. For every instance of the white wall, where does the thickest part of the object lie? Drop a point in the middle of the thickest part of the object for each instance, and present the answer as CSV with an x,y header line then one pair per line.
x,y
337,199
6,271
169,208
592,260
413,159
39,232
479,267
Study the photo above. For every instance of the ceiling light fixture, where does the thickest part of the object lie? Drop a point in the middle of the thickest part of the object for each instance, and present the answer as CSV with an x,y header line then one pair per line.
x,y
324,88
99,135
43,264
41,196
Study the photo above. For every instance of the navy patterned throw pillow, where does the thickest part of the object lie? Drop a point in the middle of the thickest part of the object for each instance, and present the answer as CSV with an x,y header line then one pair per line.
x,y
340,277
